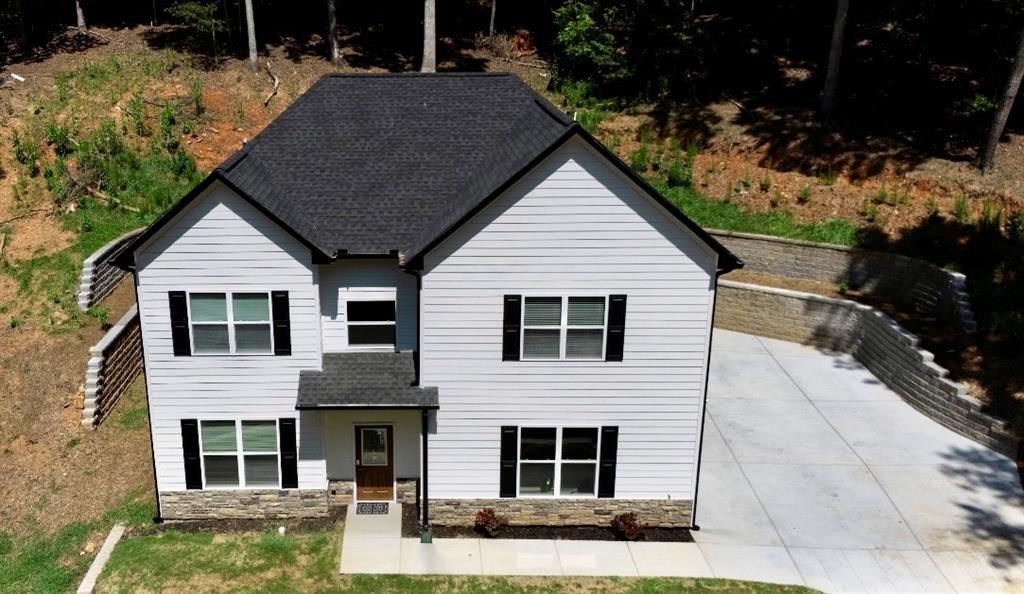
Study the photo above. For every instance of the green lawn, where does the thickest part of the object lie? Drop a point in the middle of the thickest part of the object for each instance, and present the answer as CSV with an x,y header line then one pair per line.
x,y
308,562
44,563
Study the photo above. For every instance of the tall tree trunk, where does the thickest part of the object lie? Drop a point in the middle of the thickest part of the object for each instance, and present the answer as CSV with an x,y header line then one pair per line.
x,y
835,53
155,20
332,31
25,29
250,26
995,131
429,63
80,13
230,25
490,30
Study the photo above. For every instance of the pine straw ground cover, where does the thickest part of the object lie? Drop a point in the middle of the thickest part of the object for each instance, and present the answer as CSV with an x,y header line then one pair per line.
x,y
308,562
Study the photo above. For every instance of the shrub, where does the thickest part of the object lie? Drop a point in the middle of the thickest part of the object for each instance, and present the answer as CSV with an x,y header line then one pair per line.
x,y
828,177
135,111
961,209
169,138
804,195
680,172
765,184
627,526
488,522
195,95
26,152
590,119
638,160
59,137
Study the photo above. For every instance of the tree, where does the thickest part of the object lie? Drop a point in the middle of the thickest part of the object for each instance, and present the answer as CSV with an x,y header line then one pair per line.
x,y
429,63
995,131
490,30
199,16
250,27
332,31
835,54
80,13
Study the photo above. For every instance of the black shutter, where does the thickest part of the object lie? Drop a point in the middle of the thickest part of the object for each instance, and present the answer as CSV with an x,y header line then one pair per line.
x,y
190,447
509,456
289,462
179,323
609,452
282,323
510,337
616,327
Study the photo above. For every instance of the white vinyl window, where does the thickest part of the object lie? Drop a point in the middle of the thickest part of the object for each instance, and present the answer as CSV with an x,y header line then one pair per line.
x,y
225,464
371,323
230,323
564,328
558,461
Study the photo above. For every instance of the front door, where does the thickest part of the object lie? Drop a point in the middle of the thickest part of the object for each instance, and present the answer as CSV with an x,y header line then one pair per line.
x,y
375,463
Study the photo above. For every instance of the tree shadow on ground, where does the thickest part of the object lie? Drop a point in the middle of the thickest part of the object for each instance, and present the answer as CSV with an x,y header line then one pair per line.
x,y
200,47
60,41
995,481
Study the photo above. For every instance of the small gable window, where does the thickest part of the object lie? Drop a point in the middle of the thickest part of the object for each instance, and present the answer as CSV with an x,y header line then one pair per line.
x,y
227,323
371,323
563,328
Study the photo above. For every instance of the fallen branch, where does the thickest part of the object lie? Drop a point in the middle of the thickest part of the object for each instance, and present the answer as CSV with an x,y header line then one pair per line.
x,y
735,102
26,215
540,65
3,243
90,32
277,82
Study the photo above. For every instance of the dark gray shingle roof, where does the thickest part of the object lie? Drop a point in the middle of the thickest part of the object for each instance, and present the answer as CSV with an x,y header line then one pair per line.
x,y
366,163
362,380
390,163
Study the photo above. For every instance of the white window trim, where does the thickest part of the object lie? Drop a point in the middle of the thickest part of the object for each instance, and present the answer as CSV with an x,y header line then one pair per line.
x,y
229,303
558,461
240,455
563,328
372,347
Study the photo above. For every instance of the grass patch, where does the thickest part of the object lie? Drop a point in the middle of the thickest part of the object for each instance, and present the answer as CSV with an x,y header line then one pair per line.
x,y
44,563
102,177
728,216
307,562
130,412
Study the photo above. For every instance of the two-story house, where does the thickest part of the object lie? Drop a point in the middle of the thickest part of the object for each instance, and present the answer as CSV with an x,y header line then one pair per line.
x,y
432,289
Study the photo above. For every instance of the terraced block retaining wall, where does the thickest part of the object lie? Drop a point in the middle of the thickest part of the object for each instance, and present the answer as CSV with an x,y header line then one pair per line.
x,y
913,283
100,277
113,365
877,341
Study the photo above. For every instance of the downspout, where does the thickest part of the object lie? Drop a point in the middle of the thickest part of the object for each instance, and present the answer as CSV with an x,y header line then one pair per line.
x,y
149,409
704,409
425,534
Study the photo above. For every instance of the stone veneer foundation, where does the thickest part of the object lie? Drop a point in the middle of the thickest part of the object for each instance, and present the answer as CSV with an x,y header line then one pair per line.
x,y
225,504
657,513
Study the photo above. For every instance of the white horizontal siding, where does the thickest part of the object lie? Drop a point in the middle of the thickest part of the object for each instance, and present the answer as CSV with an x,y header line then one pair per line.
x,y
573,225
355,279
222,243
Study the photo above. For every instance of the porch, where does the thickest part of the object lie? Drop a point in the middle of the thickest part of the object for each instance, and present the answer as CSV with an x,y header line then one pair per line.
x,y
374,422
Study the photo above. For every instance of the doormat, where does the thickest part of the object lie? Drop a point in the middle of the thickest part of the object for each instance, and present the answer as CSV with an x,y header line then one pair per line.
x,y
371,509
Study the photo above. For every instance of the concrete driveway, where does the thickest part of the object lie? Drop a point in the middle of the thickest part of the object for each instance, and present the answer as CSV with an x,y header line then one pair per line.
x,y
814,472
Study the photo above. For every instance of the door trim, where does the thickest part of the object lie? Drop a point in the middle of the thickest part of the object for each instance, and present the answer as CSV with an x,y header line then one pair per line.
x,y
394,475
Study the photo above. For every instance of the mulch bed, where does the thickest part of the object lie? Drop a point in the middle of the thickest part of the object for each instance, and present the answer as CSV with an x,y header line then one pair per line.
x,y
411,529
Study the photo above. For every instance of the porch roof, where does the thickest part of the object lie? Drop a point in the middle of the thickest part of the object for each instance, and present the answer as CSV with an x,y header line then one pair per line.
x,y
364,380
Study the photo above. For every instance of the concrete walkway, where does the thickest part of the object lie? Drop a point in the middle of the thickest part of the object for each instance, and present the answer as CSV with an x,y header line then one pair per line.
x,y
813,473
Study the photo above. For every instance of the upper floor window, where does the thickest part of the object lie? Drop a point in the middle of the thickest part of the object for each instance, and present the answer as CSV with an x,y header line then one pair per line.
x,y
225,464
371,323
224,323
563,328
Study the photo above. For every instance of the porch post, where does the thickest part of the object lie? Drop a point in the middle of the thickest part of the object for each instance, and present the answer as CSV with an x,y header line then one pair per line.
x,y
425,536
